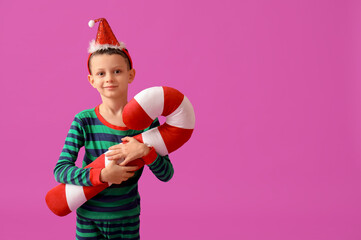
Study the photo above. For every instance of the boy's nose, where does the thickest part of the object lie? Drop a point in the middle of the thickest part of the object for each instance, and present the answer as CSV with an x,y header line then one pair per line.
x,y
109,78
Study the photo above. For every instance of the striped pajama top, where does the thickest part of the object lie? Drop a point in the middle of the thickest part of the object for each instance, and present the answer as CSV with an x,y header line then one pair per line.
x,y
91,131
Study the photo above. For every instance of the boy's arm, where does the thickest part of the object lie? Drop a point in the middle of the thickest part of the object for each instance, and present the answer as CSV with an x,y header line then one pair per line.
x,y
161,166
65,170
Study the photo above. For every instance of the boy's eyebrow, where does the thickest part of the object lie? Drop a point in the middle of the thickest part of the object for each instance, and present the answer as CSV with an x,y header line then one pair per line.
x,y
117,66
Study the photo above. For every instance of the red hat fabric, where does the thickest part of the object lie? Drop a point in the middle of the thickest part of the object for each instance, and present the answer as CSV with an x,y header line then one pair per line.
x,y
106,39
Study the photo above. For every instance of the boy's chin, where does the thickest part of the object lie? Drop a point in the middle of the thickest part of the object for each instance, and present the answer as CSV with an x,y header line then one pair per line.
x,y
111,95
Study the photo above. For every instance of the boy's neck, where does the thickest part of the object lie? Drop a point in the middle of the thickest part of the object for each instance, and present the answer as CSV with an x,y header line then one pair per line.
x,y
113,105
111,110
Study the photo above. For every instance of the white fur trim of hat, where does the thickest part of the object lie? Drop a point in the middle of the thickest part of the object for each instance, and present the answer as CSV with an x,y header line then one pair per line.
x,y
93,46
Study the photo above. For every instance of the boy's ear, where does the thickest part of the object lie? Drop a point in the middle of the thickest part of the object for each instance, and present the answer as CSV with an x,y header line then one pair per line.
x,y
91,80
131,75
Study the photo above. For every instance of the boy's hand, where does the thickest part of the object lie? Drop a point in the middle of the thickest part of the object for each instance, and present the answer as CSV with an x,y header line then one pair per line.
x,y
113,173
129,151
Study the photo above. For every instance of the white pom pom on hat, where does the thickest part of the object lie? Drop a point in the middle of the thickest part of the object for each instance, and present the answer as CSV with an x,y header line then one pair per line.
x,y
91,23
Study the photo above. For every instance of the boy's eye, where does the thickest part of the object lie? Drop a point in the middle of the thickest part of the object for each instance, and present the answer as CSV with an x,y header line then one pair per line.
x,y
117,71
100,74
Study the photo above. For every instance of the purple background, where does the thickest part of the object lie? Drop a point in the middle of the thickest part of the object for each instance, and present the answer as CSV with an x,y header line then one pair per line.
x,y
277,94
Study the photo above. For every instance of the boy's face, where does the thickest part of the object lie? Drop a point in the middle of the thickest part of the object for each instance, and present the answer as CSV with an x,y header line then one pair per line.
x,y
110,75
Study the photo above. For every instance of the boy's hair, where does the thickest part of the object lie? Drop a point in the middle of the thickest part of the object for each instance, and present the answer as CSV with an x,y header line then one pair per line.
x,y
110,51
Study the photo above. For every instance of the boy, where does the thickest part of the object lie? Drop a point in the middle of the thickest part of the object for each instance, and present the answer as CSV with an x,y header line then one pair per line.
x,y
113,213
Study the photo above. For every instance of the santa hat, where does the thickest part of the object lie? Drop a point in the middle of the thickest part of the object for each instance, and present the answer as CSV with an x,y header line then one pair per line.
x,y
105,40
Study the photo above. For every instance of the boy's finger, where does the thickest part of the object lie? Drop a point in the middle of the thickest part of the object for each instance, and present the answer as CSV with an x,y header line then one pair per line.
x,y
125,162
126,139
109,154
112,153
114,147
131,168
129,174
116,157
115,153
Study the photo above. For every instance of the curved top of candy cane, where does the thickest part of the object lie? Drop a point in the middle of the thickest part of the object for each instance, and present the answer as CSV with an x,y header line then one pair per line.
x,y
167,102
162,101
153,102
